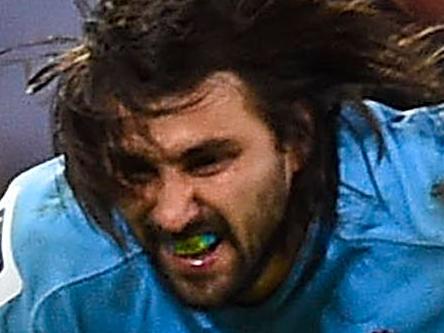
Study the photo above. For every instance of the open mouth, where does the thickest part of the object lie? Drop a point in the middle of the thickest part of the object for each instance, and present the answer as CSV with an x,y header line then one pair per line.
x,y
195,249
195,246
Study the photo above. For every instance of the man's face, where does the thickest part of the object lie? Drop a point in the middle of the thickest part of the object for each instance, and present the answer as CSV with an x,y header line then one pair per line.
x,y
207,189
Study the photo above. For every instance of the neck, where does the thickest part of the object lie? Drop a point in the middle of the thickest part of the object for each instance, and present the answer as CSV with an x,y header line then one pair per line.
x,y
276,269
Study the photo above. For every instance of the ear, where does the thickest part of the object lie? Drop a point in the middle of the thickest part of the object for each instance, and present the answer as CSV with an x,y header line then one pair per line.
x,y
299,144
293,162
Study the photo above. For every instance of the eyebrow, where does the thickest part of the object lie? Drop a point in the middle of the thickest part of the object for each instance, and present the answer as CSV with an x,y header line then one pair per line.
x,y
212,146
224,146
125,160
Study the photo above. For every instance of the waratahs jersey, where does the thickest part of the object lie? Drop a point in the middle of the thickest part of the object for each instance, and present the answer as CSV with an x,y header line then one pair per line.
x,y
381,270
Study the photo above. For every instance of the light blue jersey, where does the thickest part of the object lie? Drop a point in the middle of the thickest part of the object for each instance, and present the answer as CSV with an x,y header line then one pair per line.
x,y
382,270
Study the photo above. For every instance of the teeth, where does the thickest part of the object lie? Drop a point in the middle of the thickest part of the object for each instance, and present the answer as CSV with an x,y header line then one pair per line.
x,y
197,262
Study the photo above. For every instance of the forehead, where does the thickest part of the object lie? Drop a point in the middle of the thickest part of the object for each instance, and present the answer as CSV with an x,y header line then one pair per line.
x,y
220,107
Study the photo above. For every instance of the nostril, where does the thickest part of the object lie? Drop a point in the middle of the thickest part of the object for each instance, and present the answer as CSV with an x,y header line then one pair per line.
x,y
173,216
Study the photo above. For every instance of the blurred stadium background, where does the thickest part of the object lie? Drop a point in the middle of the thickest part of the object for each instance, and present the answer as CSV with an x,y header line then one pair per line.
x,y
24,120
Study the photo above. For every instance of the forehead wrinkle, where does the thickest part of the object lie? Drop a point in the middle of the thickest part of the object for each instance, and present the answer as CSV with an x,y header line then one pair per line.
x,y
154,152
213,89
140,143
216,90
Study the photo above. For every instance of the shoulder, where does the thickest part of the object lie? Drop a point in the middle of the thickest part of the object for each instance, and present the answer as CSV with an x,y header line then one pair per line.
x,y
390,232
421,123
22,194
387,192
46,239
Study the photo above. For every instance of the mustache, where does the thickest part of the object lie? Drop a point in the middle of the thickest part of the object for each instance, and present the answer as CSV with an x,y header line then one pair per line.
x,y
209,223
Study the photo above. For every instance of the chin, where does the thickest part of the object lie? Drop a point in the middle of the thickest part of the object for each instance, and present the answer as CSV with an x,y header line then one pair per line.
x,y
205,293
210,280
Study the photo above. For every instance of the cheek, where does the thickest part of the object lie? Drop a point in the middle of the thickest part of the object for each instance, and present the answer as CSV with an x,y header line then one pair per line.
x,y
136,199
252,198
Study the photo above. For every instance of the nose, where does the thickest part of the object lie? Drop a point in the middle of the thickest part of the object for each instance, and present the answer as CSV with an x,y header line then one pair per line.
x,y
175,205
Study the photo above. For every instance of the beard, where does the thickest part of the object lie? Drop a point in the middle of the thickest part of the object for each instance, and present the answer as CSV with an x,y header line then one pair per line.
x,y
233,271
250,228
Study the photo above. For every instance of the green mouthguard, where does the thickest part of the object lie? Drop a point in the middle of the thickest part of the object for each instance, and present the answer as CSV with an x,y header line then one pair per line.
x,y
194,245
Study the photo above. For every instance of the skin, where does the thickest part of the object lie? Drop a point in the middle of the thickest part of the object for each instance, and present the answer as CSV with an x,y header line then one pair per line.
x,y
213,166
431,11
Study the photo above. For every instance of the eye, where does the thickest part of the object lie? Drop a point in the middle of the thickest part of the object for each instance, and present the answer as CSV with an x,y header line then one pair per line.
x,y
134,169
211,163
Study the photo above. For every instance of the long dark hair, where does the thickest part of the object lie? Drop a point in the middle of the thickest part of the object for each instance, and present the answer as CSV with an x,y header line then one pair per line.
x,y
322,52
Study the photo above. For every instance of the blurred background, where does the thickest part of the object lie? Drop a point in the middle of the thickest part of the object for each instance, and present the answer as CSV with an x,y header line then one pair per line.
x,y
25,137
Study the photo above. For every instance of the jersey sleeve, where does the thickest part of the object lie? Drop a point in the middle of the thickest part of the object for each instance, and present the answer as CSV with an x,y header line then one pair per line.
x,y
391,219
14,316
48,248
34,239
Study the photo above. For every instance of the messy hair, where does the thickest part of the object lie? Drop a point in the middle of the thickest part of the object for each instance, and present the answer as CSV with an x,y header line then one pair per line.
x,y
321,52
